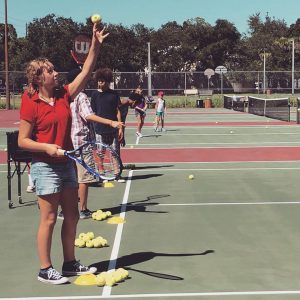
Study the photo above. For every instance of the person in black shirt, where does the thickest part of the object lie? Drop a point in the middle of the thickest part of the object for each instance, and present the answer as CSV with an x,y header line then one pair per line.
x,y
105,103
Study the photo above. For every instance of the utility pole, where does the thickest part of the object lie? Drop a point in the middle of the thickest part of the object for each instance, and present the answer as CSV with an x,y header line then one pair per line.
x,y
293,66
149,72
6,58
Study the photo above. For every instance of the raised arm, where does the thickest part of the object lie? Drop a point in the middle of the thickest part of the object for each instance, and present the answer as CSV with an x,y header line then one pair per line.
x,y
81,80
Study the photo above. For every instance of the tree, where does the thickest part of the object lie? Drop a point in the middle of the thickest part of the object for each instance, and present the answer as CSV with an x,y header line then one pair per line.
x,y
51,37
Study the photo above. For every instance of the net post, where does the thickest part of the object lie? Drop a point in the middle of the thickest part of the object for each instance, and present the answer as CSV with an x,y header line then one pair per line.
x,y
298,110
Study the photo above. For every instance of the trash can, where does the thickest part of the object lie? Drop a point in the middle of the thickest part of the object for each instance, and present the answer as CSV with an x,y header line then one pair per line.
x,y
207,103
199,103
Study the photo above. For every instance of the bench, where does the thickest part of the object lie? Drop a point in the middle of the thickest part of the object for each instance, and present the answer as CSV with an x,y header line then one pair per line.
x,y
205,92
191,92
200,92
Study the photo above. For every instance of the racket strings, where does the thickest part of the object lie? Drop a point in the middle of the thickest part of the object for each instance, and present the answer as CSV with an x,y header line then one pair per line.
x,y
106,163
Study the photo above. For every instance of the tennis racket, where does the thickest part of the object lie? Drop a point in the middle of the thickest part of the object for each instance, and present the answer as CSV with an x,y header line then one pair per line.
x,y
106,163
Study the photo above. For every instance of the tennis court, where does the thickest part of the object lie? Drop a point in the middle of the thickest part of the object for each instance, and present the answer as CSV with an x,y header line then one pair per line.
x,y
230,233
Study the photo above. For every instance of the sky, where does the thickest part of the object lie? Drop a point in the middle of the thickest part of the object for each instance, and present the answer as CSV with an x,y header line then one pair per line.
x,y
151,13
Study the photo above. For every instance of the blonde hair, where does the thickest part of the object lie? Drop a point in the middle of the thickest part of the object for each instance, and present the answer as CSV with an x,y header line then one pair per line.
x,y
34,70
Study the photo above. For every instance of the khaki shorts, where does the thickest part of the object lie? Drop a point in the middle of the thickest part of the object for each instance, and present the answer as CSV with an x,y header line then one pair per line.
x,y
83,175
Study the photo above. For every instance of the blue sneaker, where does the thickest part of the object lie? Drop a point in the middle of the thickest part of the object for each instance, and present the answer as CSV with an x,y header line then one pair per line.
x,y
73,268
51,276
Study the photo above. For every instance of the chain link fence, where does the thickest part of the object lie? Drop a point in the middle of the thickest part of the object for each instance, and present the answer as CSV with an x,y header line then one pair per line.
x,y
175,83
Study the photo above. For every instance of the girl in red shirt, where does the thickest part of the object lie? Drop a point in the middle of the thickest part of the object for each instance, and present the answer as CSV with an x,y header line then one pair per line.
x,y
45,127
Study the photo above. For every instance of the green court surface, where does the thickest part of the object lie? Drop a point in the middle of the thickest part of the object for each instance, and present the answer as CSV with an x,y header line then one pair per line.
x,y
230,233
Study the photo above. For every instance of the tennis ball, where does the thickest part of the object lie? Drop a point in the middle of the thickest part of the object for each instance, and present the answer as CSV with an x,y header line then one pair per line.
x,y
89,244
109,279
99,211
81,235
103,215
94,215
99,217
124,273
81,243
117,276
108,213
77,242
231,131
104,242
96,18
100,280
191,176
86,238
97,243
90,235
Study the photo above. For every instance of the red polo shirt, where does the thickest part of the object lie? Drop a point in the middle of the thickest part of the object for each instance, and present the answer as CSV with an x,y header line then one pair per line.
x,y
52,124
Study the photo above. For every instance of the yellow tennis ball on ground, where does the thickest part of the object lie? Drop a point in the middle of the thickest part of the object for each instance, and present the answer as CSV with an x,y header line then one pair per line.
x,y
81,235
91,235
77,242
86,238
89,244
191,176
100,280
94,215
104,242
117,276
96,18
109,279
108,213
124,273
81,243
97,243
99,217
104,215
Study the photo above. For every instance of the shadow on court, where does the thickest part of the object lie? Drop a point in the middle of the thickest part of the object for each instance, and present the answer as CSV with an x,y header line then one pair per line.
x,y
135,258
138,206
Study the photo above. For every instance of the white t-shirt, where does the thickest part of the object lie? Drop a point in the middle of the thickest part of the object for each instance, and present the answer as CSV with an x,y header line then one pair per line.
x,y
160,105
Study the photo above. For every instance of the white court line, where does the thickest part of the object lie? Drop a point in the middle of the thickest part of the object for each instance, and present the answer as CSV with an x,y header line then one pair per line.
x,y
228,203
274,144
204,294
116,246
233,134
137,140
220,169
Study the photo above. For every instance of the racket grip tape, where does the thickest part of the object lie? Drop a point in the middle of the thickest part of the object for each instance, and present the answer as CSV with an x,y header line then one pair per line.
x,y
60,152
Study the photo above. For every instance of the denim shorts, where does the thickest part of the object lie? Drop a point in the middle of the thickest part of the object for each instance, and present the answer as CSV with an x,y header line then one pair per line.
x,y
52,178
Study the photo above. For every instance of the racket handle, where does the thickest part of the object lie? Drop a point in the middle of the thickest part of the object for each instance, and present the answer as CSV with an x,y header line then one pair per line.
x,y
60,152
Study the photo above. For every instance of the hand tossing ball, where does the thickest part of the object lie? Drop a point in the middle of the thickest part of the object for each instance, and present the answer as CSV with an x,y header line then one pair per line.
x,y
191,176
96,18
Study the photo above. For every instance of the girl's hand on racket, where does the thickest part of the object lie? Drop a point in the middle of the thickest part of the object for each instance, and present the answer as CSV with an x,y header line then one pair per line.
x,y
116,124
100,34
51,149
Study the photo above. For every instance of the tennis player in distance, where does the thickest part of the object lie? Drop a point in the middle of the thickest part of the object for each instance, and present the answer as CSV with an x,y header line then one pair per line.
x,y
45,127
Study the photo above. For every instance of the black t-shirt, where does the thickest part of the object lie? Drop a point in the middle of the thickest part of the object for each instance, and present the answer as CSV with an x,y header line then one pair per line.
x,y
105,104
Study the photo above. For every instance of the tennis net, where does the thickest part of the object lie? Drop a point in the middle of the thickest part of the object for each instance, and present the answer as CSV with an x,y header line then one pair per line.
x,y
277,108
238,103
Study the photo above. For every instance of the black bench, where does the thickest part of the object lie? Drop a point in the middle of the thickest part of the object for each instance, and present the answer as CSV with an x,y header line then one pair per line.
x,y
15,156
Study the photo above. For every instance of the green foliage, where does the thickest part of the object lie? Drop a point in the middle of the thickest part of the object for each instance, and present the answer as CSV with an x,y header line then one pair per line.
x,y
193,46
